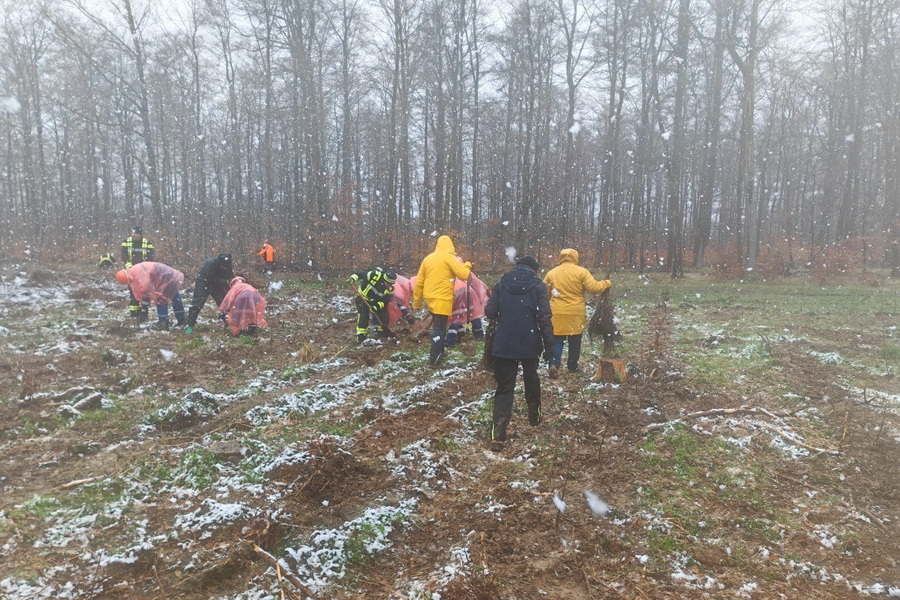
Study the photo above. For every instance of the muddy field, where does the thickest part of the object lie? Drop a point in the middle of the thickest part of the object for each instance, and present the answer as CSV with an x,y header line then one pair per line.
x,y
753,452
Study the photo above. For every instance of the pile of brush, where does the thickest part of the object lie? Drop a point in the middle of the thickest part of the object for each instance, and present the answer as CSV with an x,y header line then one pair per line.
x,y
603,324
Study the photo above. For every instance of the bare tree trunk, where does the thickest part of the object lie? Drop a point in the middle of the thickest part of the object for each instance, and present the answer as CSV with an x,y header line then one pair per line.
x,y
674,191
703,218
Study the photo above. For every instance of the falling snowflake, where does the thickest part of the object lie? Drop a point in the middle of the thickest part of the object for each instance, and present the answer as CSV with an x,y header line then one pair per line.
x,y
560,503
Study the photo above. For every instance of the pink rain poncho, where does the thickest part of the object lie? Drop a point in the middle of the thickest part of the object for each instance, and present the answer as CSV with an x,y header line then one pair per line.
x,y
403,292
154,282
244,306
478,297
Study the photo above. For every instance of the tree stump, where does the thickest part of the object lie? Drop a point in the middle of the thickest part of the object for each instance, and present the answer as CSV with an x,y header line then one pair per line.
x,y
612,371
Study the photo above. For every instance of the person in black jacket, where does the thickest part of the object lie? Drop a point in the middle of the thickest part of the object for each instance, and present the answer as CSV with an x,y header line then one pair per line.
x,y
521,305
212,280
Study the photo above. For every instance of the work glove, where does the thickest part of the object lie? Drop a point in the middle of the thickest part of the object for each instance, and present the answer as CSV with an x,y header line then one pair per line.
x,y
127,266
470,265
189,330
353,278
224,317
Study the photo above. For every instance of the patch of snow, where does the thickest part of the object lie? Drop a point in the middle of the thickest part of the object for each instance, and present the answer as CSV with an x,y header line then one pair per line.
x,y
211,515
326,555
828,358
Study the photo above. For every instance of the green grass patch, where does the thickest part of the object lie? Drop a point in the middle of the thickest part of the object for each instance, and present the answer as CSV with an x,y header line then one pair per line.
x,y
662,545
198,469
195,343
677,450
448,445
890,353
342,429
96,495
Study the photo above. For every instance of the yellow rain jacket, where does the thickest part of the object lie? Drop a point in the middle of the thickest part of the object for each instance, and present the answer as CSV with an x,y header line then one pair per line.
x,y
437,276
568,283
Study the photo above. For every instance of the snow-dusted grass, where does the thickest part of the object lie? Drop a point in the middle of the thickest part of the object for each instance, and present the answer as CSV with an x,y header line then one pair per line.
x,y
327,553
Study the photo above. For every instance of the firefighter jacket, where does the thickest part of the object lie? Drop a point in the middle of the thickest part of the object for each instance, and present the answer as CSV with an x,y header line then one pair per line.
x,y
373,287
437,275
568,283
136,251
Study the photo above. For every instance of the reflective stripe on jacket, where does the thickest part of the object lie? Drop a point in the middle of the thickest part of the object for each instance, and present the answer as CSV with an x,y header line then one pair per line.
x,y
136,253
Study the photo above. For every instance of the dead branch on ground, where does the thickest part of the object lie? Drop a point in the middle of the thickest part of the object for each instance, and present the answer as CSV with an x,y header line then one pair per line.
x,y
288,574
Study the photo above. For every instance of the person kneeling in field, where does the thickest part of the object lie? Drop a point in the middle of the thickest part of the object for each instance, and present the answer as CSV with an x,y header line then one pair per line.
x,y
243,308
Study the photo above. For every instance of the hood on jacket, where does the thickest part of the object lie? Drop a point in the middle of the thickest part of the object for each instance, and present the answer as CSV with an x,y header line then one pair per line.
x,y
520,280
445,244
568,255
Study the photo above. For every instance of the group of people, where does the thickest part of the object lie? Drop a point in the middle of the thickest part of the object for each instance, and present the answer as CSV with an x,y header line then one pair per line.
x,y
241,306
533,317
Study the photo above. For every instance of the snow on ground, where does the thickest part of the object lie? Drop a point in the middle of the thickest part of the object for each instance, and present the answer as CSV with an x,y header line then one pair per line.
x,y
326,553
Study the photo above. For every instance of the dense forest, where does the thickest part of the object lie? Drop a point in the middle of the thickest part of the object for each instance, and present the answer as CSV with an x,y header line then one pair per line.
x,y
749,136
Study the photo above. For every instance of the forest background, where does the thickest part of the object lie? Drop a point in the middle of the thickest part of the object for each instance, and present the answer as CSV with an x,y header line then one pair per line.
x,y
650,134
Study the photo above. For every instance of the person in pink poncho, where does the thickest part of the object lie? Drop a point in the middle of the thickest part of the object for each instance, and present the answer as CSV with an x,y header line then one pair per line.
x,y
468,309
157,284
243,308
399,305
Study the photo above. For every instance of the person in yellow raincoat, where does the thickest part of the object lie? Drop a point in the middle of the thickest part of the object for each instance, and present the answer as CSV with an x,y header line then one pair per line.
x,y
568,284
434,285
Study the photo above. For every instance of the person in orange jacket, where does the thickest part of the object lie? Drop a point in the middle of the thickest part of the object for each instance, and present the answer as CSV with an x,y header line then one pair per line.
x,y
435,287
268,255
568,283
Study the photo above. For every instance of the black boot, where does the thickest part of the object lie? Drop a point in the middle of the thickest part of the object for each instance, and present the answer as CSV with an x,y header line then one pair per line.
x,y
498,437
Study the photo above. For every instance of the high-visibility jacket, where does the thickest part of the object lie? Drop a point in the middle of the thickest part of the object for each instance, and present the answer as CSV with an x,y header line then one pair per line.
x,y
437,275
135,252
373,287
268,253
568,283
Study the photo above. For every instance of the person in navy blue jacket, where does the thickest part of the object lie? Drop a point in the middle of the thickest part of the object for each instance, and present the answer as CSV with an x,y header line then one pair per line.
x,y
520,303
